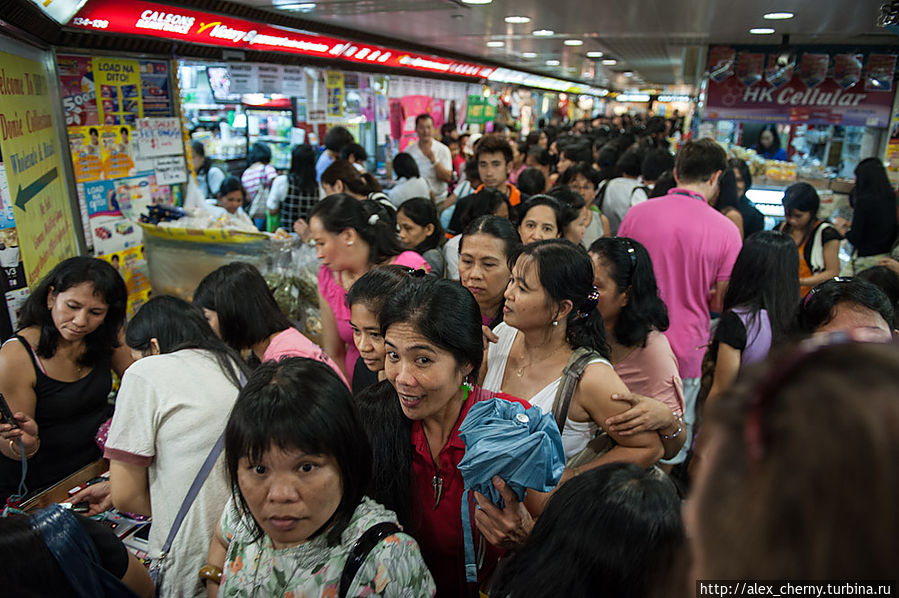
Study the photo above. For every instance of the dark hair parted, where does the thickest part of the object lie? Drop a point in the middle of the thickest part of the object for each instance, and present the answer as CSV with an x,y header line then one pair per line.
x,y
655,162
247,310
355,150
231,183
619,526
340,211
493,144
421,211
388,431
485,202
302,169
30,570
585,169
374,287
566,274
802,197
645,311
108,285
532,182
775,483
819,305
442,311
300,404
697,161
544,200
745,173
404,166
764,277
423,117
727,192
259,152
503,230
177,325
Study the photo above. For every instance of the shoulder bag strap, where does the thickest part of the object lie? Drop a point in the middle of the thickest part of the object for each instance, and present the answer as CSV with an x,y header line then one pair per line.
x,y
571,375
363,547
198,482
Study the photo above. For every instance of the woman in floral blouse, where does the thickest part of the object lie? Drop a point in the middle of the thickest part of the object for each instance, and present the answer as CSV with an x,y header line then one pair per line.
x,y
299,460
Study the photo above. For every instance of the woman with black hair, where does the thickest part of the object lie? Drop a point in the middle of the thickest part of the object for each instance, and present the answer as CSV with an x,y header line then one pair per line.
x,y
635,319
183,375
342,177
55,372
409,183
209,177
759,307
295,193
550,312
584,179
432,333
258,177
351,237
848,304
299,463
576,215
420,231
484,252
874,227
753,219
817,240
365,299
637,515
490,202
728,199
768,146
238,303
541,218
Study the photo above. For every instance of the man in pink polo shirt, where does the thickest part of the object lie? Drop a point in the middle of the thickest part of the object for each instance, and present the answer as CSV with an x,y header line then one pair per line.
x,y
693,249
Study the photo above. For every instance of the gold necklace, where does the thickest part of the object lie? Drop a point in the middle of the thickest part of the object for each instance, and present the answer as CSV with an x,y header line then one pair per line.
x,y
520,371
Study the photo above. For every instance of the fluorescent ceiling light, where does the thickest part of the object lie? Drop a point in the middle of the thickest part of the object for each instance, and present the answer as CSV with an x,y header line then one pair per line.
x,y
529,55
552,63
594,54
544,32
761,31
518,20
496,44
779,16
610,62
574,42
628,74
477,1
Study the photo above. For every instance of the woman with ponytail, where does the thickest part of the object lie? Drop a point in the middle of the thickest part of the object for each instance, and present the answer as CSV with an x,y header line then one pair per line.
x,y
550,311
351,237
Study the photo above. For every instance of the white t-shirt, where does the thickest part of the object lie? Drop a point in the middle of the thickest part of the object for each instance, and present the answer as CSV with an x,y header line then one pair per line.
x,y
620,196
442,155
407,189
451,255
169,413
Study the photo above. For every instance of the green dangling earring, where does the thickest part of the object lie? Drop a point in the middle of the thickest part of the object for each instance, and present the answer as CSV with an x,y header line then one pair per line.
x,y
466,388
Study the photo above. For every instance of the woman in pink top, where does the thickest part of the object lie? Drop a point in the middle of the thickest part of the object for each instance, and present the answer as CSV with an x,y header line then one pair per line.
x,y
635,318
241,309
351,238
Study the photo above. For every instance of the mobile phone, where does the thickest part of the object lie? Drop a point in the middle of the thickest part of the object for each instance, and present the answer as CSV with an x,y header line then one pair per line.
x,y
6,413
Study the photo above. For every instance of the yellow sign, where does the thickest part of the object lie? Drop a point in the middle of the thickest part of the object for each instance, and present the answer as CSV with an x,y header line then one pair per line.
x,y
334,81
118,90
31,157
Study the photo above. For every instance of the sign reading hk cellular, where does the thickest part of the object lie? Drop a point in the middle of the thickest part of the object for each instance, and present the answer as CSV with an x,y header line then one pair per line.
x,y
815,86
136,17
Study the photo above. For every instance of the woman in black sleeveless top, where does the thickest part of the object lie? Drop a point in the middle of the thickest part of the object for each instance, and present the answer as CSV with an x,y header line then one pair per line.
x,y
55,373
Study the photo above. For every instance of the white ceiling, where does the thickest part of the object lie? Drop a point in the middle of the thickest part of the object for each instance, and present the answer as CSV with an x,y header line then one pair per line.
x,y
661,41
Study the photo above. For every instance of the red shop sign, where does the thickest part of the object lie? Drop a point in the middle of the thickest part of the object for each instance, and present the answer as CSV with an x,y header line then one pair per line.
x,y
171,22
815,102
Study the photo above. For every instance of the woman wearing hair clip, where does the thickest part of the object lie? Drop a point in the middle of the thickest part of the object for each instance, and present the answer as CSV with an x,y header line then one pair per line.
x,y
550,311
351,237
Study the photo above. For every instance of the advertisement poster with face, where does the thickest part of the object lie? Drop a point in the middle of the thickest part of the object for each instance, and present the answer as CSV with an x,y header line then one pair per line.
x,y
84,145
78,90
117,155
154,88
131,263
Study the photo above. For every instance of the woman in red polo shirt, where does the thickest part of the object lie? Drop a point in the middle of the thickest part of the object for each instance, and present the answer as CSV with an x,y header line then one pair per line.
x,y
432,334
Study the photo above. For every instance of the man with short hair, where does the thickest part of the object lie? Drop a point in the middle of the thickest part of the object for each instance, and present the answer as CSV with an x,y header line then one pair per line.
x,y
493,155
335,140
693,249
355,154
434,160
624,191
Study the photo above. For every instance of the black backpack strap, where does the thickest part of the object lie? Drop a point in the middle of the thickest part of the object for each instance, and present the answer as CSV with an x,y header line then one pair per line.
x,y
361,550
600,196
571,375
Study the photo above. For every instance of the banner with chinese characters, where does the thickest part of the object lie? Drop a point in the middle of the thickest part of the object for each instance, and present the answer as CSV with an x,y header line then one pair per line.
x,y
814,85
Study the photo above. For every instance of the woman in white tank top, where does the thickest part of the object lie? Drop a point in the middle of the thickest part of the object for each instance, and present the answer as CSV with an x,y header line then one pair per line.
x,y
550,311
